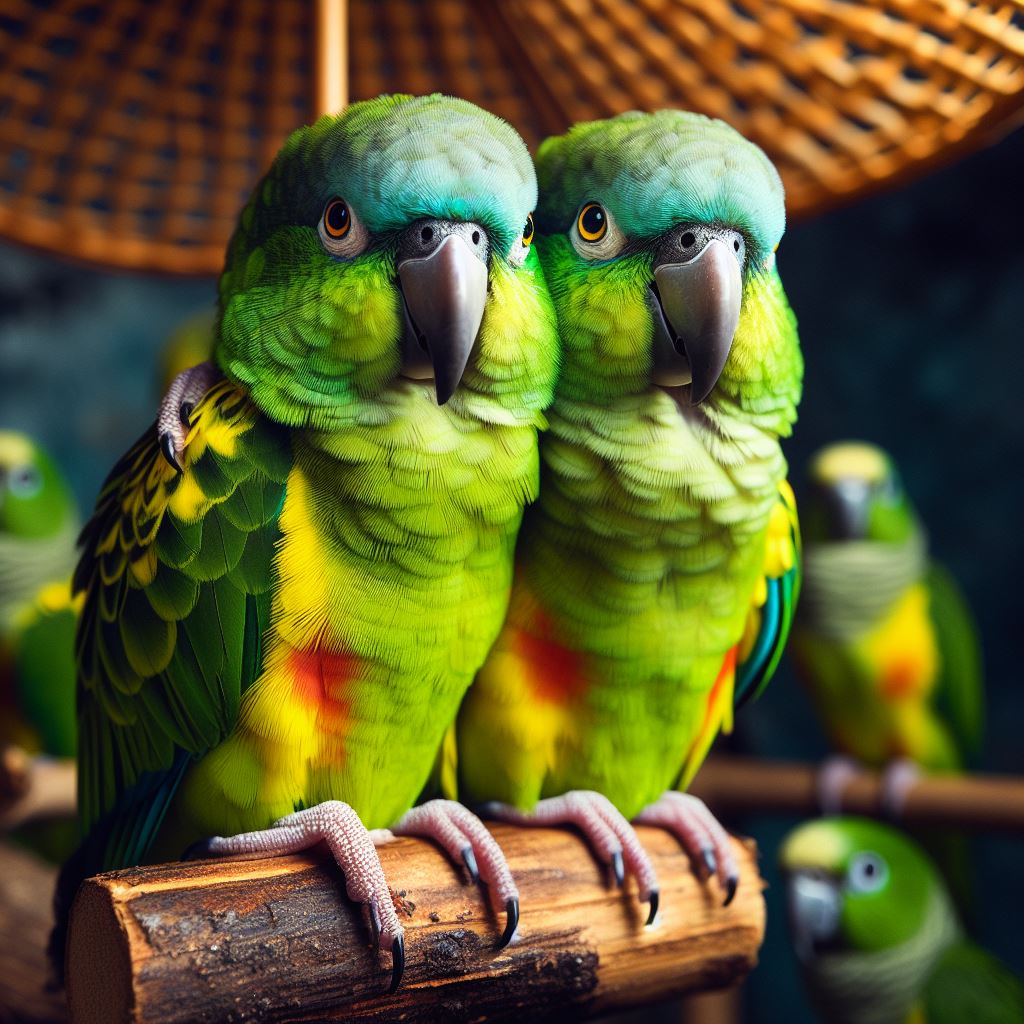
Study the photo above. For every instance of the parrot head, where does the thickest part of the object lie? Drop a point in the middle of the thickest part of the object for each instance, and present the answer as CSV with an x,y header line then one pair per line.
x,y
388,244
854,885
855,494
35,502
659,234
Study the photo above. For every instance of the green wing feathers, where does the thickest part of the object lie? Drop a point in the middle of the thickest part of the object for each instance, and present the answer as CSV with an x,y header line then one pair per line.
x,y
960,688
771,613
176,572
969,984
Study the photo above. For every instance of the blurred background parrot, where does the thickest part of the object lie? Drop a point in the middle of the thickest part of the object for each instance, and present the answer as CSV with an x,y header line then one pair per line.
x,y
877,936
291,620
883,639
657,573
38,529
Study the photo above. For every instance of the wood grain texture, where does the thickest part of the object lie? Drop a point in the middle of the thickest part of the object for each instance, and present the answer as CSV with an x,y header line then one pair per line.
x,y
276,939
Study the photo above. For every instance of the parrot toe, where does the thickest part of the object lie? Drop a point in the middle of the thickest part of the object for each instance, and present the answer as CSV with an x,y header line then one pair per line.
x,y
834,775
703,838
898,779
463,836
173,417
607,832
354,851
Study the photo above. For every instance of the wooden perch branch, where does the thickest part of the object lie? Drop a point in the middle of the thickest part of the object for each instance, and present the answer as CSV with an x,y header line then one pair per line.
x,y
276,939
740,785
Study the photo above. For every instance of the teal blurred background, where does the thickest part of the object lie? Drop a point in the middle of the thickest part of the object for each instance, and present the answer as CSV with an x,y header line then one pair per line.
x,y
910,308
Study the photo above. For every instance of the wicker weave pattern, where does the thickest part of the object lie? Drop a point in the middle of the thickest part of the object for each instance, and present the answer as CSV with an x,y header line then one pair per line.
x,y
132,130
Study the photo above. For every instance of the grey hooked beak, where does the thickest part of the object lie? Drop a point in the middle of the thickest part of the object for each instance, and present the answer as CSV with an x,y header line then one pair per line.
x,y
697,308
814,908
445,291
847,506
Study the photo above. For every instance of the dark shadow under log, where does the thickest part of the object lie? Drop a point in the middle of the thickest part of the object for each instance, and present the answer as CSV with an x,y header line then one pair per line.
x,y
277,940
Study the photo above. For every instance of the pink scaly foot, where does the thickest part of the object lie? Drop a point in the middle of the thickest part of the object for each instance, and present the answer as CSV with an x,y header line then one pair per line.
x,y
703,838
172,420
462,835
610,836
834,775
898,779
354,850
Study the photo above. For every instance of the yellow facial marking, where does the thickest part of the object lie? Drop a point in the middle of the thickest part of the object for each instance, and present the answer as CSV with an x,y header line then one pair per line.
x,y
815,845
15,449
853,459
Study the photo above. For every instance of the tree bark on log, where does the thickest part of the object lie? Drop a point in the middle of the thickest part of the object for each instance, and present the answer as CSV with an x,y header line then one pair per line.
x,y
277,939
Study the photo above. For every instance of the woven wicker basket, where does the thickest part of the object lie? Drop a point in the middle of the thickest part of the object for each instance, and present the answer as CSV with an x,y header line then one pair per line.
x,y
132,130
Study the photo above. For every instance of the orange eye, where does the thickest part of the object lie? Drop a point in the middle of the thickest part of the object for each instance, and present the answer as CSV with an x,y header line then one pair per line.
x,y
528,231
337,219
592,223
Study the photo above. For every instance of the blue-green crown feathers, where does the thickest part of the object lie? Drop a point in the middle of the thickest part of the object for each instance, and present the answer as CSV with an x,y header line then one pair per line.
x,y
395,159
654,171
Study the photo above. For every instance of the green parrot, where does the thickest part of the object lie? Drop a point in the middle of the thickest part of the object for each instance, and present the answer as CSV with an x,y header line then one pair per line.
x,y
883,639
276,637
38,528
877,936
656,575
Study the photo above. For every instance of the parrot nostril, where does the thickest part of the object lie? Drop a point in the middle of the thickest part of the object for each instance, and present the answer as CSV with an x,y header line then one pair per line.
x,y
427,234
688,239
476,237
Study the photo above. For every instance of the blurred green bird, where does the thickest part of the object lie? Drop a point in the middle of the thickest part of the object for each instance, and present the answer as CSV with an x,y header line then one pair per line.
x,y
38,529
883,639
877,936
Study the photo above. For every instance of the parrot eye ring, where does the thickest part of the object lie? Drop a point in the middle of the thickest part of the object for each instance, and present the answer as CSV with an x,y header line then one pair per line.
x,y
24,482
867,873
592,222
528,231
340,230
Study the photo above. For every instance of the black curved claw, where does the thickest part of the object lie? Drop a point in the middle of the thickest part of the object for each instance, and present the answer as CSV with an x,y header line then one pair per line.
x,y
167,447
710,860
184,411
397,963
731,885
618,869
511,923
654,899
469,859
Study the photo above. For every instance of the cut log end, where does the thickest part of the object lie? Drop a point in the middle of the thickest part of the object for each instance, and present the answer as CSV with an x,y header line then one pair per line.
x,y
277,939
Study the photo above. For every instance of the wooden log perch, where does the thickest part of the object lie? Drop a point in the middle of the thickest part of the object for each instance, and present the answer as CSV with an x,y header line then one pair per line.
x,y
746,785
277,940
